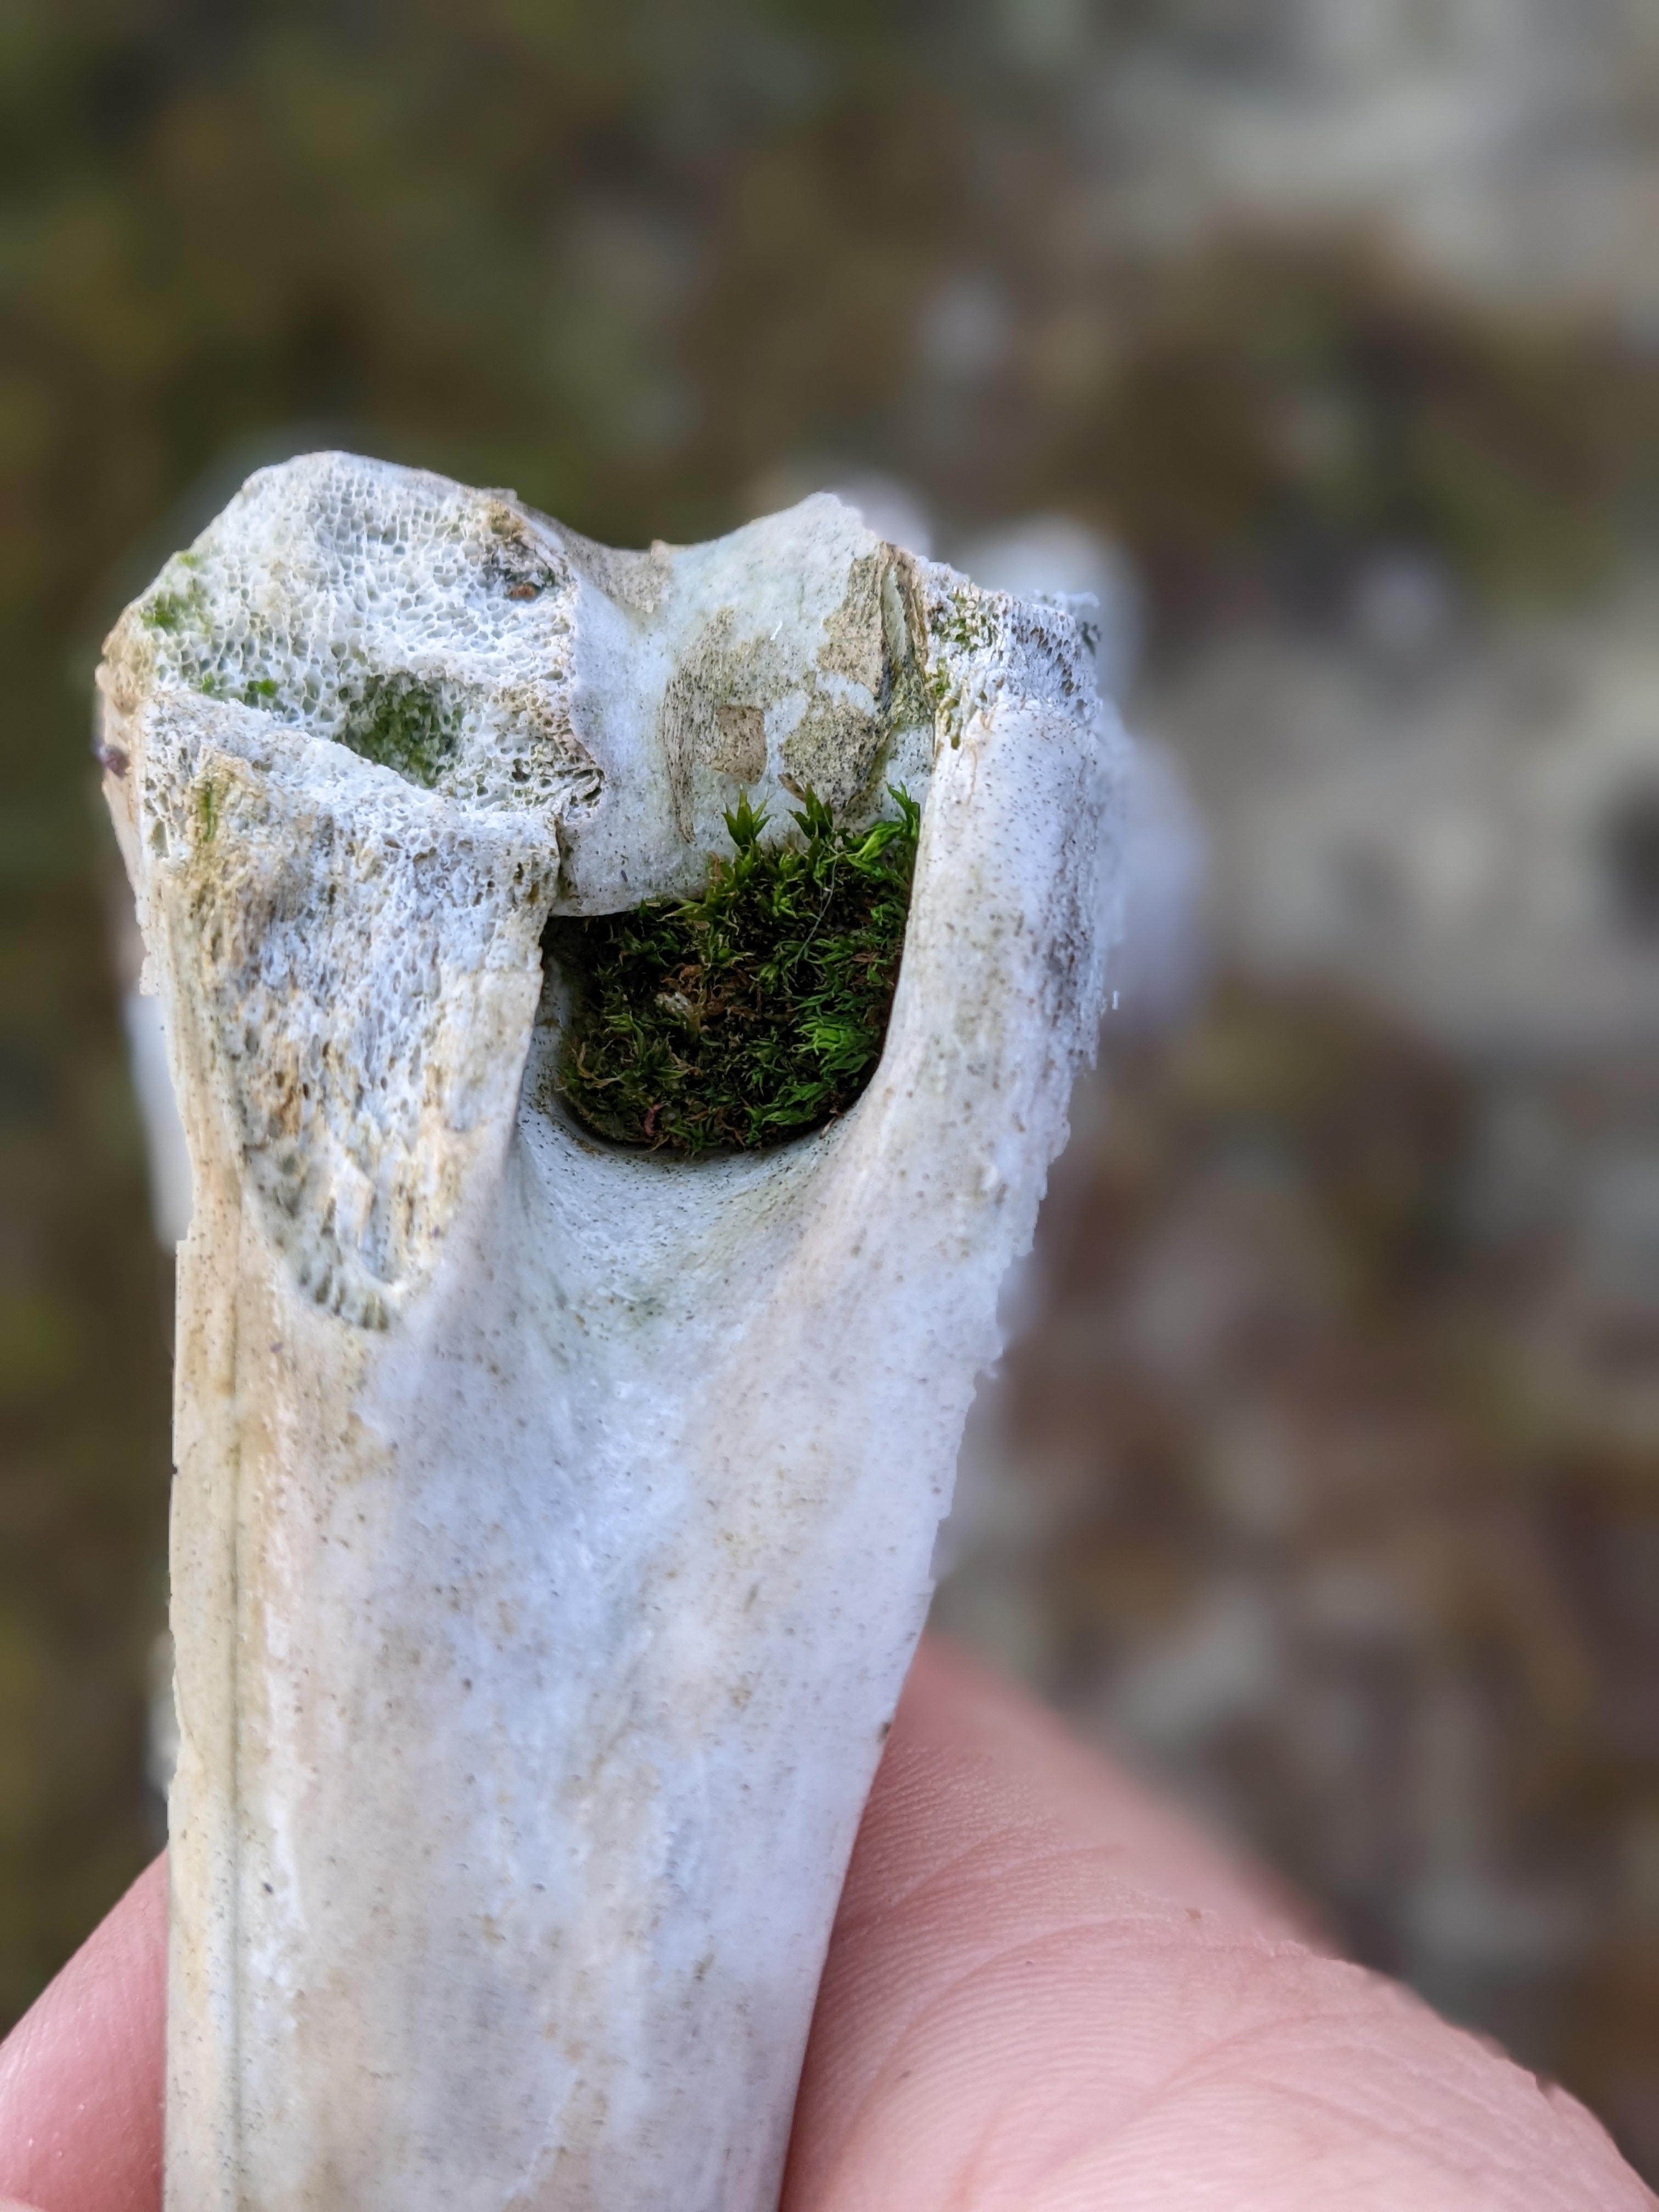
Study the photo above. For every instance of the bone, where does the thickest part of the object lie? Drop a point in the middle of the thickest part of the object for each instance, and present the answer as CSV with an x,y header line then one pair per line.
x,y
553,1523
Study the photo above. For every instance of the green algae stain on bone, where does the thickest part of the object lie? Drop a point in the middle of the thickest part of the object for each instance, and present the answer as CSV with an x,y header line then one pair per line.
x,y
398,722
176,606
964,630
389,717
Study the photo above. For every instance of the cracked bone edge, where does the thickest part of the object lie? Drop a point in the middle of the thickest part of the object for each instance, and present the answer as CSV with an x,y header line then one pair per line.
x,y
552,1524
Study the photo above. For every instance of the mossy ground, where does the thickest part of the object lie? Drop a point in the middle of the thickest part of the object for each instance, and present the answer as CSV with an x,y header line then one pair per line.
x,y
752,1012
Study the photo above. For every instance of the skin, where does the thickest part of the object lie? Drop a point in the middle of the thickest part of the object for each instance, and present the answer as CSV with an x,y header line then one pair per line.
x,y
1046,1993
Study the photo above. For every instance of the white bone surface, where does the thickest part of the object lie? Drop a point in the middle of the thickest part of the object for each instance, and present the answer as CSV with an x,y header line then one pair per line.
x,y
552,1526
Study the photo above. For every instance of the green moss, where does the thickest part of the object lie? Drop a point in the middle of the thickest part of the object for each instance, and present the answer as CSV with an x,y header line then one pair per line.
x,y
752,1012
401,723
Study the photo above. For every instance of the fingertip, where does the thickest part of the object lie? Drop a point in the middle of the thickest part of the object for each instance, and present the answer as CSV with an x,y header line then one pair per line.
x,y
82,2074
1047,1987
975,1762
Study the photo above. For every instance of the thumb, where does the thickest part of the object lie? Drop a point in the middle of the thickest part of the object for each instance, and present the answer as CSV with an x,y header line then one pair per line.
x,y
81,2073
1047,1993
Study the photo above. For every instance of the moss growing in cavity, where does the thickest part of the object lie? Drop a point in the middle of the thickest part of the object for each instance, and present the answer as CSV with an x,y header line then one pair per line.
x,y
400,723
753,1011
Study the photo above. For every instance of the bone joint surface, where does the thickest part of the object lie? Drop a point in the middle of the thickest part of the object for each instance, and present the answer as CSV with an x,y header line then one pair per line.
x,y
553,1522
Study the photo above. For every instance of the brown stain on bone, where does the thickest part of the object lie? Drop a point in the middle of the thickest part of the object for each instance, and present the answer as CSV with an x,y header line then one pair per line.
x,y
713,714
713,709
738,748
854,644
836,747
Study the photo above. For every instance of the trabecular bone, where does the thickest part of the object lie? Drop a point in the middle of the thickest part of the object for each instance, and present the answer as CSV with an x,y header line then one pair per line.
x,y
553,1523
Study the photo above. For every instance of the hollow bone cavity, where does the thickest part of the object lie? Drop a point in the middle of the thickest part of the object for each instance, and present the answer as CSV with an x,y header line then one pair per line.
x,y
553,1524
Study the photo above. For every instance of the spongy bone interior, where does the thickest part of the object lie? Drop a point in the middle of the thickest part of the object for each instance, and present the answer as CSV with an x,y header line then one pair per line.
x,y
424,626
483,651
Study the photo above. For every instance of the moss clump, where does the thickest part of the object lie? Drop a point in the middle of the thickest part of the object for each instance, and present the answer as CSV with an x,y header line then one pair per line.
x,y
400,723
753,1011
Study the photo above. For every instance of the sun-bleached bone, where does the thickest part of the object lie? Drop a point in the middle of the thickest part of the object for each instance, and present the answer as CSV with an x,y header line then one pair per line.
x,y
553,1524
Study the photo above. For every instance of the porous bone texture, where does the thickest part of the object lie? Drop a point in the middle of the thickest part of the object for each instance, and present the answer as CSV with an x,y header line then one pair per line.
x,y
552,1525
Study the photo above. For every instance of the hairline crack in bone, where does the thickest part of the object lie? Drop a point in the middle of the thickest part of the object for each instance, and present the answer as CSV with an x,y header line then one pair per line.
x,y
553,1524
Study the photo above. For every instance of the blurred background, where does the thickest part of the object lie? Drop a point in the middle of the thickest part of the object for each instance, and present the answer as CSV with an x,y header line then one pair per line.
x,y
1320,338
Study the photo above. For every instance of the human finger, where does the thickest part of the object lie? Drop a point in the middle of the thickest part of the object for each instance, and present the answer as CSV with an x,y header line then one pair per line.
x,y
81,2075
1047,1992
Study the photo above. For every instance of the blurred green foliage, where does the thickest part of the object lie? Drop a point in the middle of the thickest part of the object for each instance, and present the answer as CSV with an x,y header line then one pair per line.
x,y
650,264
633,259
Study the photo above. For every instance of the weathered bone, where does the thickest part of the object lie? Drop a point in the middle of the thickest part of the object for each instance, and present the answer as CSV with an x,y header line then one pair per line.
x,y
553,1524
